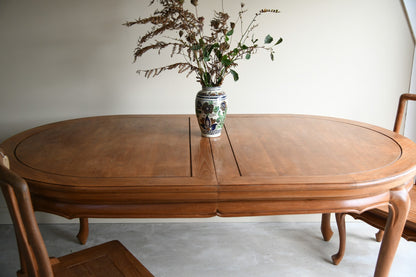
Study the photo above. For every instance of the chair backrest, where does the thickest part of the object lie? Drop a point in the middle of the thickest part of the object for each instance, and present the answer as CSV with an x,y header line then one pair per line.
x,y
404,98
34,257
401,110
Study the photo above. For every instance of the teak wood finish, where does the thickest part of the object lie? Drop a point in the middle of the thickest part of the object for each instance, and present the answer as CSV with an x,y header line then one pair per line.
x,y
160,166
379,216
108,259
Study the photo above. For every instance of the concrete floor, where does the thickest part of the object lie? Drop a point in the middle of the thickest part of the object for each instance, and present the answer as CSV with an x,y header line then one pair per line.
x,y
225,249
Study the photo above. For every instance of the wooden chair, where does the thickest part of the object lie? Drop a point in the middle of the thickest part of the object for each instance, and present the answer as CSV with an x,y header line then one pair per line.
x,y
108,259
376,217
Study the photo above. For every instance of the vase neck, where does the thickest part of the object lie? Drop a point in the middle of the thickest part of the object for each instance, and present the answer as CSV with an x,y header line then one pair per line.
x,y
213,89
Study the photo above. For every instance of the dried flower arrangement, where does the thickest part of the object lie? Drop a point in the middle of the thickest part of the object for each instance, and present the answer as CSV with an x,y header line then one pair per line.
x,y
211,57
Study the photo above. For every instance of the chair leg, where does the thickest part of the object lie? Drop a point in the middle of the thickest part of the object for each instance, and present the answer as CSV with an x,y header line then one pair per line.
x,y
326,227
83,230
379,235
336,259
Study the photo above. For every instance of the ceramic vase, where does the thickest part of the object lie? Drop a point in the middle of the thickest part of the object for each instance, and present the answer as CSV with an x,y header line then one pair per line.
x,y
211,109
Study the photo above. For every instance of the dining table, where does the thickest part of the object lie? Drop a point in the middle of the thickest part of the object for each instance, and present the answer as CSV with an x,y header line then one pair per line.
x,y
159,166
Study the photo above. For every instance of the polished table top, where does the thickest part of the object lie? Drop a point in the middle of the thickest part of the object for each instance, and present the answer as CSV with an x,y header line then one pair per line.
x,y
160,166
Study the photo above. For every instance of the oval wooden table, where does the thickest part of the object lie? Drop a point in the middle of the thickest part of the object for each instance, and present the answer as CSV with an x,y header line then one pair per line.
x,y
159,166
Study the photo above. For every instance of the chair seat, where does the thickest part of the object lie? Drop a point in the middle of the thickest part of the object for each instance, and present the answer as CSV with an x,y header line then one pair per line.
x,y
108,259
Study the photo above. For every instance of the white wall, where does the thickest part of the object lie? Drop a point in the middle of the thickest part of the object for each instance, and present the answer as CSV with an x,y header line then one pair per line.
x,y
64,59
410,126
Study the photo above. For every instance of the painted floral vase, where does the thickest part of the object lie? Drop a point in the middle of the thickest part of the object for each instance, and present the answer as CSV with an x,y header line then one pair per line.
x,y
211,109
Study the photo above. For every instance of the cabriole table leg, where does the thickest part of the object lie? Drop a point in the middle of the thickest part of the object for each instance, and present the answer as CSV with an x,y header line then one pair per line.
x,y
342,238
83,230
398,211
326,227
379,235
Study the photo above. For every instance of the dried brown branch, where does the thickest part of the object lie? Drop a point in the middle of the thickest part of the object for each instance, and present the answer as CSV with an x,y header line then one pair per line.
x,y
211,57
181,67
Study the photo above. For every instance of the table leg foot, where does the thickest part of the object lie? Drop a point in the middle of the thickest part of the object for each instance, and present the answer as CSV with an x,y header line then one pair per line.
x,y
326,227
83,230
337,258
398,211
